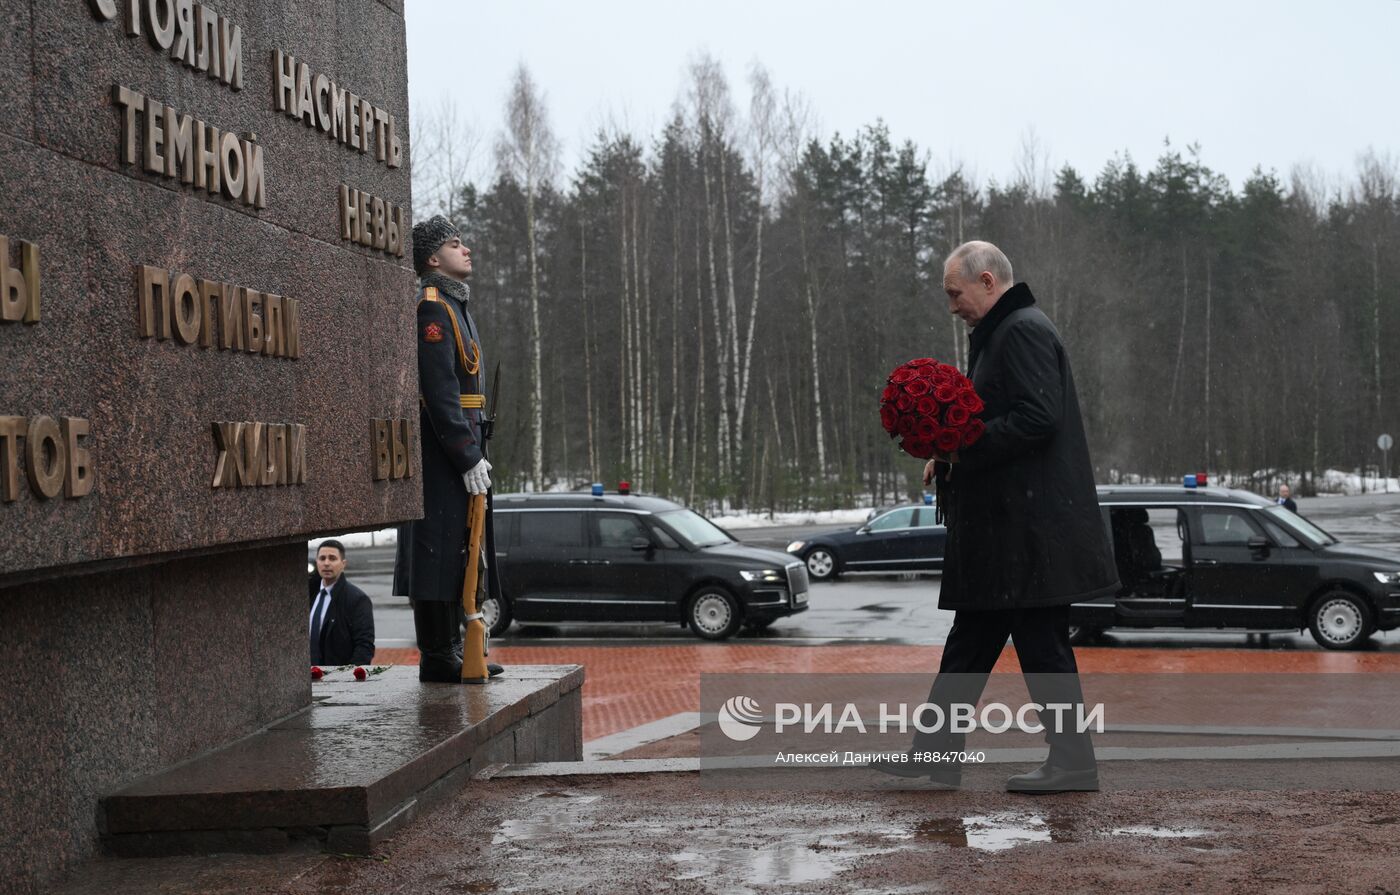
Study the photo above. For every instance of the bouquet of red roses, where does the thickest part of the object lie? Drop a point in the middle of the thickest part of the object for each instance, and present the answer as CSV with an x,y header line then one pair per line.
x,y
930,407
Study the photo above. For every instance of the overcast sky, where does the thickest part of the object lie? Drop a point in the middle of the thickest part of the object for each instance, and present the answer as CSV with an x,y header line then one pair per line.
x,y
1255,83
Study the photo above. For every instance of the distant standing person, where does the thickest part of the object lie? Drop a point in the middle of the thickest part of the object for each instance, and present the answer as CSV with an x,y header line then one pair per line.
x,y
432,554
342,616
1285,499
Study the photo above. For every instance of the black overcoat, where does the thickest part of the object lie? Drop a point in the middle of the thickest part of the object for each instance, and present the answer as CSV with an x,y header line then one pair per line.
x,y
431,557
347,634
1024,527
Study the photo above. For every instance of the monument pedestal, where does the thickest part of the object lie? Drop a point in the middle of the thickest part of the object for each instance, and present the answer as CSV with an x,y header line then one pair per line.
x,y
115,675
366,758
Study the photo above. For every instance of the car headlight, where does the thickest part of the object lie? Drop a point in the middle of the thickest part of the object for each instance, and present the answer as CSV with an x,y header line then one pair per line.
x,y
1387,577
771,576
796,546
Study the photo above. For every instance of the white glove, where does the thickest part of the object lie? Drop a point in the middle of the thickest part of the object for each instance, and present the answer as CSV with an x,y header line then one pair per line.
x,y
478,479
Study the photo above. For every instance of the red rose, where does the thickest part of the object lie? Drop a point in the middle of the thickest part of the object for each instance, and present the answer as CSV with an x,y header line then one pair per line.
x,y
360,673
947,441
904,403
916,387
927,406
946,393
889,393
903,374
925,429
956,415
916,447
888,418
316,672
923,362
971,401
905,426
975,430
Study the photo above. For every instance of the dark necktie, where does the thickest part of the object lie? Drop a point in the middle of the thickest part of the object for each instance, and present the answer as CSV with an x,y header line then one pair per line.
x,y
318,612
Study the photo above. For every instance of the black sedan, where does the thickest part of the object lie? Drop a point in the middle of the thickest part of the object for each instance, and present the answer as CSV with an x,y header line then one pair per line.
x,y
902,539
1212,558
631,558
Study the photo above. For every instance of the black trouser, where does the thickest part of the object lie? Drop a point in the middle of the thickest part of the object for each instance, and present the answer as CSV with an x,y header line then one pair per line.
x,y
1041,638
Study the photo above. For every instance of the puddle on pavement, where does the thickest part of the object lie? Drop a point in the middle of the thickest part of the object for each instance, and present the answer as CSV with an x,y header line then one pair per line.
x,y
1003,830
780,862
1158,832
566,815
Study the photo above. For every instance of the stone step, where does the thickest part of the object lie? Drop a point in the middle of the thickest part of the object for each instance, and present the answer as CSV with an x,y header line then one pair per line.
x,y
362,761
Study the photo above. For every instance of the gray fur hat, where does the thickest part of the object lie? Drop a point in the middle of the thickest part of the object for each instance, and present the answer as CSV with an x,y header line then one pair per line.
x,y
428,237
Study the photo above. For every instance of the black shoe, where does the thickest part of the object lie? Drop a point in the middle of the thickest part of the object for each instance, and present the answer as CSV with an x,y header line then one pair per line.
x,y
493,670
945,776
439,670
1049,779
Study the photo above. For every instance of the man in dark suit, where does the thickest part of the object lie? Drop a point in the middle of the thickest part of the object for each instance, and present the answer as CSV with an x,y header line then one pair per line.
x,y
1285,499
1025,538
342,617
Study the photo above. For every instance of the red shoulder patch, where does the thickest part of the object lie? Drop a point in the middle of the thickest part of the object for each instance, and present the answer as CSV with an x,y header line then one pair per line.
x,y
432,332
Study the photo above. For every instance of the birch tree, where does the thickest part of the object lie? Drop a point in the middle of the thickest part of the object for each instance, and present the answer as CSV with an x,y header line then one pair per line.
x,y
527,152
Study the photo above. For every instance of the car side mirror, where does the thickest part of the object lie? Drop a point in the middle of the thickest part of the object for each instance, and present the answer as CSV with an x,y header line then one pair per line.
x,y
863,530
1259,547
641,544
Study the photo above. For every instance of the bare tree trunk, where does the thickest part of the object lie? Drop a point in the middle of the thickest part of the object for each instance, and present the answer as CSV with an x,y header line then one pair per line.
x,y
1376,325
813,332
537,390
721,359
587,351
1209,459
1180,338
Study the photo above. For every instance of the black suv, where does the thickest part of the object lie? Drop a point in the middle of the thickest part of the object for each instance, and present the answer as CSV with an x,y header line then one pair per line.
x,y
1217,558
631,558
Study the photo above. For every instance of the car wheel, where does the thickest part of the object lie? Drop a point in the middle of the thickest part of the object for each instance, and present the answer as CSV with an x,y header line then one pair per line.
x,y
713,613
495,614
1340,620
821,564
1082,634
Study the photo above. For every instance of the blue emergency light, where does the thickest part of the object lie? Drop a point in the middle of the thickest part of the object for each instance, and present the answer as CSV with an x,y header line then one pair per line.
x,y
928,499
1189,480
597,489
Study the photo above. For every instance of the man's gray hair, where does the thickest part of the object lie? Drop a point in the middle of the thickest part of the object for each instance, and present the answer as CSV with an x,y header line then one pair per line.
x,y
976,256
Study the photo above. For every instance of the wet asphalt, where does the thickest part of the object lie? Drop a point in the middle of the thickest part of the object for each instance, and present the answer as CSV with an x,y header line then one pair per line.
x,y
890,609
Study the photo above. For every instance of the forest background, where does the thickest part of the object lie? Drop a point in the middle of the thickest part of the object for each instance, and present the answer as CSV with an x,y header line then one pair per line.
x,y
710,311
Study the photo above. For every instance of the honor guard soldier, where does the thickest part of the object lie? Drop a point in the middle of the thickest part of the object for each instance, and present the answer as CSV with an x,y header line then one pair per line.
x,y
432,553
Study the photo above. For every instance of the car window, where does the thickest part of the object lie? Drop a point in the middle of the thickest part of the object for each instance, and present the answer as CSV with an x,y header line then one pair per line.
x,y
1300,527
551,529
1225,527
695,528
927,518
1281,537
618,530
665,538
894,519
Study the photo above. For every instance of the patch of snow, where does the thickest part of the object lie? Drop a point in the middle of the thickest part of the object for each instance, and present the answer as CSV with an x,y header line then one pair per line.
x,y
761,520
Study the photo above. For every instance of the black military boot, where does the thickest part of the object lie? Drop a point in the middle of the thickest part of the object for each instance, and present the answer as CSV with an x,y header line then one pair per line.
x,y
436,624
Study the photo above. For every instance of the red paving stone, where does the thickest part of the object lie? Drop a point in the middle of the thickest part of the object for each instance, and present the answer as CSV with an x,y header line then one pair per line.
x,y
625,686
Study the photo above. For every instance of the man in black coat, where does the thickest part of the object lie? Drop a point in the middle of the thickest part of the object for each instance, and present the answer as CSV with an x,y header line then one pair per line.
x,y
342,617
430,565
1025,535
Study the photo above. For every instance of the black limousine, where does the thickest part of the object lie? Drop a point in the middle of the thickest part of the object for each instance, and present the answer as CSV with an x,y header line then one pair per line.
x,y
630,558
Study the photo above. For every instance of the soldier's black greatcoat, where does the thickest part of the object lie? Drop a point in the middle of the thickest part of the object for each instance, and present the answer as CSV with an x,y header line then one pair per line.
x,y
431,559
